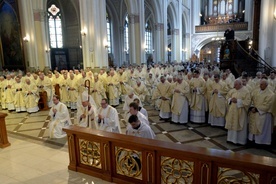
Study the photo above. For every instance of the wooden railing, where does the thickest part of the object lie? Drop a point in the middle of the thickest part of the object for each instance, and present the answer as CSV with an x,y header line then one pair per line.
x,y
237,26
4,142
127,159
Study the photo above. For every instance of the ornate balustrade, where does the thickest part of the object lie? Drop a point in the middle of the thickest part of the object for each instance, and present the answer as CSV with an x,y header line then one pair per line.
x,y
237,26
128,159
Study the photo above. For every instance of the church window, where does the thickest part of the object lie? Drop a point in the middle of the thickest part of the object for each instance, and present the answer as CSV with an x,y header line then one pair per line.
x,y
148,38
126,38
108,30
55,27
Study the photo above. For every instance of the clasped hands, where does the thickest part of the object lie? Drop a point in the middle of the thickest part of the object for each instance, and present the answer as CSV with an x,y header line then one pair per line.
x,y
54,111
177,91
254,110
234,100
215,91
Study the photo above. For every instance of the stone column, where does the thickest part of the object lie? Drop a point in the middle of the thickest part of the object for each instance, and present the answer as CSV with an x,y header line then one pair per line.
x,y
33,20
42,44
273,63
136,39
176,50
3,132
158,42
248,14
93,28
195,11
28,32
236,7
267,33
164,51
133,19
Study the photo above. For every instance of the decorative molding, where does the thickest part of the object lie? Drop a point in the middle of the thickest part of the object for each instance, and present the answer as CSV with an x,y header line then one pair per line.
x,y
199,40
221,27
159,26
39,15
175,32
134,19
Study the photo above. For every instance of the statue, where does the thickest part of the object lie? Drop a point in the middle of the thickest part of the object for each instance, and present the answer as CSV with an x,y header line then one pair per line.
x,y
226,53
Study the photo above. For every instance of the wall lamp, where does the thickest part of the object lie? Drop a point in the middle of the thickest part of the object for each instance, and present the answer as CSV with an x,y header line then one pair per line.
x,y
83,32
274,14
47,50
26,39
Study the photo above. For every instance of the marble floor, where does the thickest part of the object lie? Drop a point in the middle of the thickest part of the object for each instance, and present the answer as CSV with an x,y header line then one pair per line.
x,y
34,158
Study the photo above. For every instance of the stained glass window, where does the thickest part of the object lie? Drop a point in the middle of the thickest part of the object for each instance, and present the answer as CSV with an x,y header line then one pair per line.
x,y
148,38
55,27
108,30
126,38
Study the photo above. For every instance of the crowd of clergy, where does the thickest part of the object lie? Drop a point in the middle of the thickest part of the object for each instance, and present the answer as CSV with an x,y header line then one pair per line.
x,y
181,92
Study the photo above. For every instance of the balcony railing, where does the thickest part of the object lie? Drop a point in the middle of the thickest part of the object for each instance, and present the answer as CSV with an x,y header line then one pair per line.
x,y
127,159
237,26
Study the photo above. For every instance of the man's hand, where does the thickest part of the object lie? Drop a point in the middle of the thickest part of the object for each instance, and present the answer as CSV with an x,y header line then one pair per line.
x,y
54,110
254,110
234,100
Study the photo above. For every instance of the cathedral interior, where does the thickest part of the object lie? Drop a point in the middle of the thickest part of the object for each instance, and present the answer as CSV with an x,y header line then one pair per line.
x,y
48,35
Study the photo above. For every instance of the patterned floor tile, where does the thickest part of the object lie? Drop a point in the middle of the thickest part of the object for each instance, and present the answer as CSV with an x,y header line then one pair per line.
x,y
185,135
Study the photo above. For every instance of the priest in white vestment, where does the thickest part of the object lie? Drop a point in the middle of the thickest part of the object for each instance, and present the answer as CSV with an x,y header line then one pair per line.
x,y
31,96
141,90
198,103
18,93
180,101
86,111
138,128
129,98
123,79
73,91
260,115
141,109
8,96
2,79
108,119
45,84
162,95
64,93
217,106
134,110
113,89
97,91
238,100
60,118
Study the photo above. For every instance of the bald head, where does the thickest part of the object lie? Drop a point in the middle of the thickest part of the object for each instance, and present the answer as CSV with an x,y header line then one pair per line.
x,y
237,84
263,84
